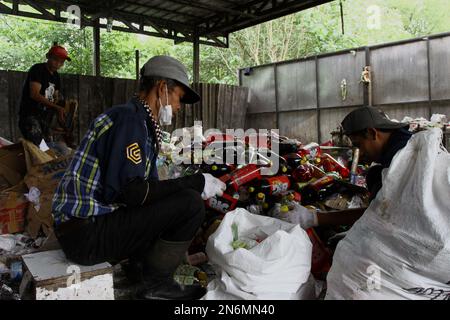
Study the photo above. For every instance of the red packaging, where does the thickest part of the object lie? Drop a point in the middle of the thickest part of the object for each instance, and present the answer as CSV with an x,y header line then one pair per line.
x,y
297,196
242,176
279,184
321,256
222,204
330,164
258,141
322,182
13,208
311,151
303,173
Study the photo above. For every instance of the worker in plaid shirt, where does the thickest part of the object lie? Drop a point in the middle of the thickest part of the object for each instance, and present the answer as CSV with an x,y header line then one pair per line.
x,y
110,205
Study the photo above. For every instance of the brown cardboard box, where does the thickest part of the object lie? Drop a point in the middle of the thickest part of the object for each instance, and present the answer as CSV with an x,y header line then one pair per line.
x,y
45,177
13,207
12,165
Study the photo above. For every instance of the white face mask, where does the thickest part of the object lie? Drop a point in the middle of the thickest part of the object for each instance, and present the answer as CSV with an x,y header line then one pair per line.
x,y
165,111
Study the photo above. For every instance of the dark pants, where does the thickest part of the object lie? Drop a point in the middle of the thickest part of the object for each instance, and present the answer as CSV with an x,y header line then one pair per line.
x,y
36,127
130,232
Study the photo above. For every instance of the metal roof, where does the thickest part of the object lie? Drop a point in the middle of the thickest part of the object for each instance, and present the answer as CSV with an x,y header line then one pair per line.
x,y
181,20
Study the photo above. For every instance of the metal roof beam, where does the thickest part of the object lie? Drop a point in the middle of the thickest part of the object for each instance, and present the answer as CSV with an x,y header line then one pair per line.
x,y
278,9
214,8
161,9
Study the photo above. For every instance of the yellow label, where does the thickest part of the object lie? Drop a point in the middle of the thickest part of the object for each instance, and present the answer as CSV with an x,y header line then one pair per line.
x,y
134,153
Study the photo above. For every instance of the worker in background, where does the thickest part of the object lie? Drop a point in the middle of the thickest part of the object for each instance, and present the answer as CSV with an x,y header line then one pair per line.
x,y
110,204
39,97
378,139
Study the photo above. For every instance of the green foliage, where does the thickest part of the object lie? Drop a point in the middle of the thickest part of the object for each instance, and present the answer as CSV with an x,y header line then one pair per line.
x,y
24,42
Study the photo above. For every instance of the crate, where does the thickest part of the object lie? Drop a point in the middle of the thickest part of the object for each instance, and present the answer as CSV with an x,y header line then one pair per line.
x,y
53,277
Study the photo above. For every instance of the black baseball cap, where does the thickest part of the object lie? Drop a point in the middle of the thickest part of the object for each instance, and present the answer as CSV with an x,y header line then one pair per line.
x,y
368,117
170,68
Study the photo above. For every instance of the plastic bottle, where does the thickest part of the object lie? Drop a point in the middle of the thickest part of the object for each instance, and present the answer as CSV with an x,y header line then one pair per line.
x,y
303,173
273,186
242,176
197,258
330,164
311,151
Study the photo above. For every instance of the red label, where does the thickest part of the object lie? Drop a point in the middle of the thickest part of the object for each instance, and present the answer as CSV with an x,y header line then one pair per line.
x,y
279,184
222,204
322,182
242,176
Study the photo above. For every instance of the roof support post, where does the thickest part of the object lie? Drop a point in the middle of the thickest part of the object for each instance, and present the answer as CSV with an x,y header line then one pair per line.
x,y
96,57
196,66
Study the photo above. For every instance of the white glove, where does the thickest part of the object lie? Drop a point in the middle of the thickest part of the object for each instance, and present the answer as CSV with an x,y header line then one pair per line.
x,y
296,215
213,187
301,215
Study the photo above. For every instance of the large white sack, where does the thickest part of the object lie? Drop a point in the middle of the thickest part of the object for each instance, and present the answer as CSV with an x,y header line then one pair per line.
x,y
400,248
276,267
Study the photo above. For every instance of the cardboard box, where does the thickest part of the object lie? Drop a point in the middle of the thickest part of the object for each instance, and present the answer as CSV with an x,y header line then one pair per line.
x,y
45,177
12,165
13,207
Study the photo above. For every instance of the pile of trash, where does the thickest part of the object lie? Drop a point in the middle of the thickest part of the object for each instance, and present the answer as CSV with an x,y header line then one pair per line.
x,y
418,124
28,178
322,178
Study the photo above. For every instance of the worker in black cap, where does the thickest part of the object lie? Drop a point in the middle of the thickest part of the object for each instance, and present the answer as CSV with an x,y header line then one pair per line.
x,y
378,139
110,204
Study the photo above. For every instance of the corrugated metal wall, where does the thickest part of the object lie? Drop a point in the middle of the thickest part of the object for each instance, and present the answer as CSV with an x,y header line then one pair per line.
x,y
304,98
222,106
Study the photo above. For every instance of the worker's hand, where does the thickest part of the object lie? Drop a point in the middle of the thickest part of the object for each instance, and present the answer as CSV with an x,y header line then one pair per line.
x,y
213,187
61,116
303,216
298,215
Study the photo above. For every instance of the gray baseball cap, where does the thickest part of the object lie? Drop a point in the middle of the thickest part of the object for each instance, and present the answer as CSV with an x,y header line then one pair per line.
x,y
368,117
170,68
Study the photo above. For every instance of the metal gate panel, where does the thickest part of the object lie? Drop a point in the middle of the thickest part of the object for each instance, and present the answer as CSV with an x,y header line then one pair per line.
x,y
440,68
400,73
330,120
301,125
296,85
332,71
261,82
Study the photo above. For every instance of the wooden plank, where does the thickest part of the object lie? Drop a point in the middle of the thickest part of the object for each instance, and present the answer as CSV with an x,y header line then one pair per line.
x,y
211,106
51,267
84,115
5,125
16,81
220,106
204,105
70,90
228,106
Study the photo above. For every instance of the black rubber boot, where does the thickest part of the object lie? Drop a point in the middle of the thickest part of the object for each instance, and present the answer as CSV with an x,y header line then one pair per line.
x,y
133,270
160,265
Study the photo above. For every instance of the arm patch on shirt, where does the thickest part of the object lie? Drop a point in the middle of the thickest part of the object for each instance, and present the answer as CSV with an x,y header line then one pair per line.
x,y
134,153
